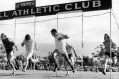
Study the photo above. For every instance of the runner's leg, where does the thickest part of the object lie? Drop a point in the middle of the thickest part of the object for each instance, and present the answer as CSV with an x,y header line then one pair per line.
x,y
55,59
27,59
11,60
68,61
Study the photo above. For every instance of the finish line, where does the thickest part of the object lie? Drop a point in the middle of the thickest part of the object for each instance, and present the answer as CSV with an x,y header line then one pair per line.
x,y
30,9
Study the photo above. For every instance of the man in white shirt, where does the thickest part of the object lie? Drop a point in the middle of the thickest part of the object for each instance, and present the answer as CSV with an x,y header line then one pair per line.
x,y
29,45
60,47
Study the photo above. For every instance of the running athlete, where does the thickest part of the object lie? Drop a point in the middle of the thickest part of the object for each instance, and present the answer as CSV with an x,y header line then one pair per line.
x,y
60,47
9,46
29,45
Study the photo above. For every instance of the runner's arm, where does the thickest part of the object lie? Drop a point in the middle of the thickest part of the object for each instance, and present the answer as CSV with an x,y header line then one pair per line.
x,y
63,37
16,47
22,44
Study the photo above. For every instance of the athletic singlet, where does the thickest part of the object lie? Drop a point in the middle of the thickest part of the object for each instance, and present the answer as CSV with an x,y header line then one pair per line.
x,y
107,45
8,44
29,45
59,44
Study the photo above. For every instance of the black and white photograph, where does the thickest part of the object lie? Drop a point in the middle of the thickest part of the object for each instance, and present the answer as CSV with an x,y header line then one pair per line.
x,y
59,39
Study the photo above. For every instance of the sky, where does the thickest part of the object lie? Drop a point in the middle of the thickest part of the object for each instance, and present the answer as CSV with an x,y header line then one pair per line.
x,y
94,27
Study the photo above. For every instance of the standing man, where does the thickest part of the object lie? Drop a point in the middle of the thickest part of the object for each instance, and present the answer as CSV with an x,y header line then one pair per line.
x,y
109,47
60,47
29,45
9,48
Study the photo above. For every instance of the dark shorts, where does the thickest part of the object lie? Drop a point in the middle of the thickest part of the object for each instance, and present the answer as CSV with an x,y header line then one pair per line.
x,y
8,53
108,54
69,55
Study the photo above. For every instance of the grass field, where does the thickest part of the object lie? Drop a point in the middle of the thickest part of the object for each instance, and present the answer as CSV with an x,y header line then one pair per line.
x,y
5,74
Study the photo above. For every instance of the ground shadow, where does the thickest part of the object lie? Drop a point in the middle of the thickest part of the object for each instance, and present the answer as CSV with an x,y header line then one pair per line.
x,y
5,74
9,74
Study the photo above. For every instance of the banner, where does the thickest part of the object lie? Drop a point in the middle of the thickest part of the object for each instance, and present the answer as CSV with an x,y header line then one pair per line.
x,y
25,5
26,10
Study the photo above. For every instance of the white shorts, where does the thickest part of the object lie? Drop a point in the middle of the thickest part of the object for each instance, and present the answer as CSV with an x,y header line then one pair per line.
x,y
29,54
63,51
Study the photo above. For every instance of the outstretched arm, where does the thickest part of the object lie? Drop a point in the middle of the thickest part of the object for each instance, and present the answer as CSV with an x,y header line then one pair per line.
x,y
16,47
63,37
22,44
